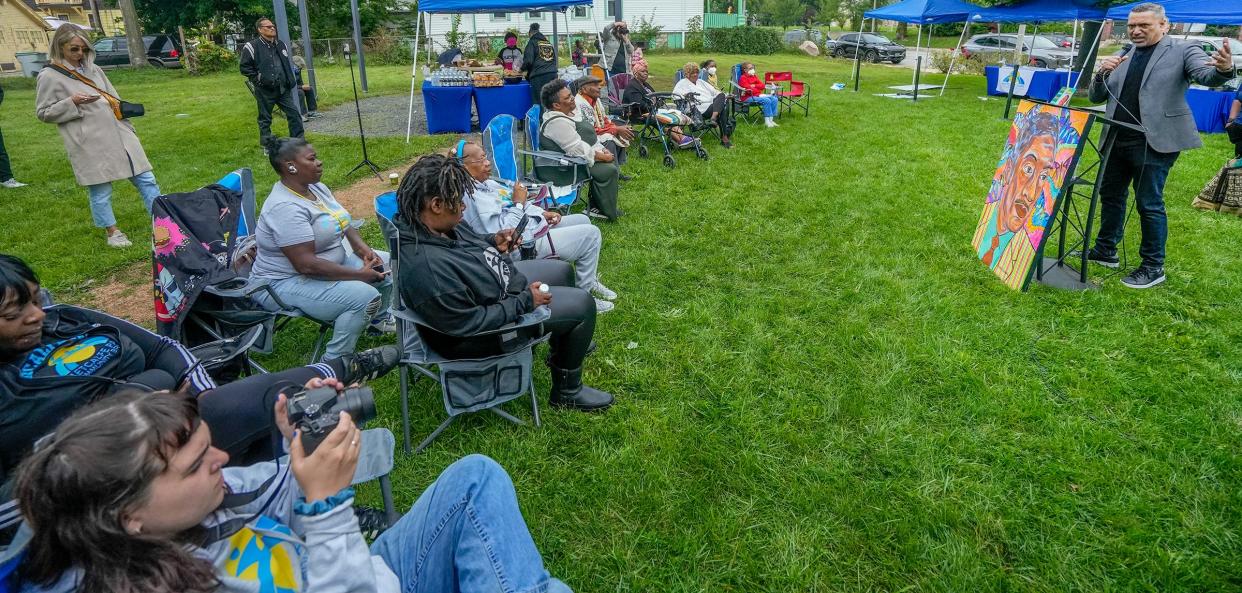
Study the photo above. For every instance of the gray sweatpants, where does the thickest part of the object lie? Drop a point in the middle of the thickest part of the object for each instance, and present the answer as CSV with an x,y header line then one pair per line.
x,y
576,241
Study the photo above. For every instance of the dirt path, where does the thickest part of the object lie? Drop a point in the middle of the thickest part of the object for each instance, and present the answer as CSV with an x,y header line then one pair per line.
x,y
128,294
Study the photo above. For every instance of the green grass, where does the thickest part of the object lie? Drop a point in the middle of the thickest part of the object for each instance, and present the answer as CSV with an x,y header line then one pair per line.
x,y
826,390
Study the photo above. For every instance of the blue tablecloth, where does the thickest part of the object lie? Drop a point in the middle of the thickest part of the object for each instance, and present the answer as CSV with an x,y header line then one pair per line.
x,y
1210,108
448,108
513,99
1045,84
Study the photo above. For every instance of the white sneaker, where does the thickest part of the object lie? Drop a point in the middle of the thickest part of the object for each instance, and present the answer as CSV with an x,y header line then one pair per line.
x,y
772,124
387,325
602,306
119,240
603,292
12,183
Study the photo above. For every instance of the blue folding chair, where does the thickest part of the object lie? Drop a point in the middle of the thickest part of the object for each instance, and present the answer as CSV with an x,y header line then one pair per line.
x,y
466,385
562,197
751,112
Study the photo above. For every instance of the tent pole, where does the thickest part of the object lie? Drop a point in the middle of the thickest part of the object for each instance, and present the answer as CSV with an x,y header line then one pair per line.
x,y
858,54
953,57
1074,46
917,41
556,60
409,116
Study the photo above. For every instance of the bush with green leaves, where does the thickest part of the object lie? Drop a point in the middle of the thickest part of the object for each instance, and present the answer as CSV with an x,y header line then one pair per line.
x,y
387,49
754,41
213,58
694,34
941,59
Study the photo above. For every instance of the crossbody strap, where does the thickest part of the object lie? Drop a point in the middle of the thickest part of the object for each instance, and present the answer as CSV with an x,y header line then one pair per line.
x,y
113,101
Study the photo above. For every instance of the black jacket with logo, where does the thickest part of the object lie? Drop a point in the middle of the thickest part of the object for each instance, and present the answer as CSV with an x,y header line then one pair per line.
x,y
537,58
267,65
83,355
460,285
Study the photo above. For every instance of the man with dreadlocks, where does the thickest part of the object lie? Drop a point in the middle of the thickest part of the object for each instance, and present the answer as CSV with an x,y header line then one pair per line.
x,y
467,284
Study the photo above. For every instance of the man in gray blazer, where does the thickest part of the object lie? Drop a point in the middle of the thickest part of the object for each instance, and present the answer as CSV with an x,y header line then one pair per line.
x,y
1145,86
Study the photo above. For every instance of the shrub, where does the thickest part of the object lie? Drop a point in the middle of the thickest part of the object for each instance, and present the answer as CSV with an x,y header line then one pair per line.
x,y
694,34
212,58
386,49
754,41
940,60
647,31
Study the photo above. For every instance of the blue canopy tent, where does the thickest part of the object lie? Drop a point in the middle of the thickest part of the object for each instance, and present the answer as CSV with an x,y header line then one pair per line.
x,y
1042,11
480,6
1211,12
920,12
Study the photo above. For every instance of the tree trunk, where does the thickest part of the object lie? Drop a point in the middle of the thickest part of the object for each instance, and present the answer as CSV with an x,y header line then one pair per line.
x,y
1087,52
902,29
133,33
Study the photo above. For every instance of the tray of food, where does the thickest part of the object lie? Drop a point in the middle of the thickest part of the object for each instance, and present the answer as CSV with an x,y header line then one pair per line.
x,y
487,79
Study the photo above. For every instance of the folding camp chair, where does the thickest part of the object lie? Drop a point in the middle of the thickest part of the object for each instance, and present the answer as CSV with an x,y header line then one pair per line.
x,y
500,145
466,385
793,93
617,107
751,113
563,198
227,310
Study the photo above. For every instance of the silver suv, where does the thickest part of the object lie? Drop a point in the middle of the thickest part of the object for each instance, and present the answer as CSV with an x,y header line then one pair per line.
x,y
1043,52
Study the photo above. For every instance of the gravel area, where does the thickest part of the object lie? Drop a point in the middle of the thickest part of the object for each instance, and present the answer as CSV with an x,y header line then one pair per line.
x,y
381,116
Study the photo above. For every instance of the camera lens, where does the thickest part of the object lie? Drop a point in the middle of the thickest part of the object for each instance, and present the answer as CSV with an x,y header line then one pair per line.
x,y
360,403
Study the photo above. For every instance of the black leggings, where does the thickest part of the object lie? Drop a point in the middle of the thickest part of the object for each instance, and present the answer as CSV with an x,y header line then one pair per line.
x,y
1235,136
571,326
720,105
553,272
240,414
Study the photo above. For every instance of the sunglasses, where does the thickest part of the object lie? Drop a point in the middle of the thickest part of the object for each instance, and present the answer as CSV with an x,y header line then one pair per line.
x,y
75,49
268,27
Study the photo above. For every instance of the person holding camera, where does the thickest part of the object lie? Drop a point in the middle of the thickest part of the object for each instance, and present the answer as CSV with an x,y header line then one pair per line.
x,y
617,47
495,206
463,283
264,61
76,95
130,494
302,237
56,359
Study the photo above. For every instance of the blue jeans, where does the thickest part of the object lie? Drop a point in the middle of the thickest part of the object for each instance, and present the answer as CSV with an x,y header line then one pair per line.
x,y
769,103
101,197
349,304
1135,163
465,534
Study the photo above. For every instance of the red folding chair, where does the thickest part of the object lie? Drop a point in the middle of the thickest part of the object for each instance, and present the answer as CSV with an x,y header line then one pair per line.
x,y
792,93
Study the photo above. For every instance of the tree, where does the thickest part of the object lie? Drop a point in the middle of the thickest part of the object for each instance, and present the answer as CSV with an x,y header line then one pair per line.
x,y
328,18
133,33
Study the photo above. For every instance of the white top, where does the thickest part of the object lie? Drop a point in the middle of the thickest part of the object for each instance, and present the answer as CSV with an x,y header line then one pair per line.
x,y
289,219
491,209
562,129
704,92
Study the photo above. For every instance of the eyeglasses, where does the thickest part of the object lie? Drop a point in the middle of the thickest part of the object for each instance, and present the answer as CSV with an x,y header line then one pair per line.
x,y
474,161
267,26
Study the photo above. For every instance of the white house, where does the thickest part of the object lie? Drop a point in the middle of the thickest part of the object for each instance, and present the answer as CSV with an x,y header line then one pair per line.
x,y
673,16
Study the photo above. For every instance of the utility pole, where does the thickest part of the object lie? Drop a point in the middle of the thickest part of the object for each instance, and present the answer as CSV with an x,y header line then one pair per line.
x,y
133,33
98,19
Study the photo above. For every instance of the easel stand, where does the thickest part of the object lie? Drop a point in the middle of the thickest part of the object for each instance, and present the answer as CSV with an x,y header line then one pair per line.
x,y
1072,230
366,160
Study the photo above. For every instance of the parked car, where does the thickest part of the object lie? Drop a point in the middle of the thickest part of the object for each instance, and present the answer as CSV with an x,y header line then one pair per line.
x,y
872,47
1061,39
163,51
1043,52
829,44
1212,44
797,36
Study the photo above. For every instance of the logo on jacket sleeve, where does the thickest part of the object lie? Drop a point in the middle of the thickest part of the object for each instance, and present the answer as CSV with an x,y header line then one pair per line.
x,y
79,356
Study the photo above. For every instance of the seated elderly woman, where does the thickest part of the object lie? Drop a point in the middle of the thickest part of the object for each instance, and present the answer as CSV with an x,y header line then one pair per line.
x,y
707,100
464,283
753,92
495,206
639,95
567,131
302,236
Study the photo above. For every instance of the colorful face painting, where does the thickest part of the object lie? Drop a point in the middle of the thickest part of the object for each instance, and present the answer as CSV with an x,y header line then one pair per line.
x,y
1040,153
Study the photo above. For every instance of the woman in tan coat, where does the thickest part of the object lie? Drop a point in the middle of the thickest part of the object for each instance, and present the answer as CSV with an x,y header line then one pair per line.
x,y
102,146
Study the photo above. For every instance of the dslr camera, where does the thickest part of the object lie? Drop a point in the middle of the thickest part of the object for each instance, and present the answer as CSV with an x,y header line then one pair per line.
x,y
315,412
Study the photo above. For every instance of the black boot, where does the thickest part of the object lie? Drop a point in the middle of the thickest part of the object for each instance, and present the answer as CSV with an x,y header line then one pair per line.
x,y
569,392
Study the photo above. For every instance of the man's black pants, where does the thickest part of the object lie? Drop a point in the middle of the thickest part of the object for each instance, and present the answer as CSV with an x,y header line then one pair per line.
x,y
266,99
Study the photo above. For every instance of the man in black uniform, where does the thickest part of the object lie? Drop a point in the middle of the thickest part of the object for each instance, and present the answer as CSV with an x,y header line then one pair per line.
x,y
265,63
537,62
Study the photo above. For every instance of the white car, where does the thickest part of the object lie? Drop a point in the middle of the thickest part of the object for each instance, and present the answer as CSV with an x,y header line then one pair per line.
x,y
1211,44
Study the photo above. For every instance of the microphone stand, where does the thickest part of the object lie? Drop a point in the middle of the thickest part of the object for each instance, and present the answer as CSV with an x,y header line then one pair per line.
x,y
366,160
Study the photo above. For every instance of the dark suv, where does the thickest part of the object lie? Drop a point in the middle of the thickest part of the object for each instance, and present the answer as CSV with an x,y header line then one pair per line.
x,y
163,51
874,48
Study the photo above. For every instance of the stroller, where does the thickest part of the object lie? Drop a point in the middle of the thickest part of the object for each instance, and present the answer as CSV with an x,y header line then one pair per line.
x,y
654,118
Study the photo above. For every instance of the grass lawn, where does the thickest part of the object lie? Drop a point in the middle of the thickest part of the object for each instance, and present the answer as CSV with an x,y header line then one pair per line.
x,y
819,387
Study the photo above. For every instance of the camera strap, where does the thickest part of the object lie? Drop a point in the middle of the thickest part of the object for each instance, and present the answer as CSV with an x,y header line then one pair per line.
x,y
225,530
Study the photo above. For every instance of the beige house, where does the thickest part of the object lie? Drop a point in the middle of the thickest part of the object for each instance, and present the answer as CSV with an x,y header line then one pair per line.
x,y
21,30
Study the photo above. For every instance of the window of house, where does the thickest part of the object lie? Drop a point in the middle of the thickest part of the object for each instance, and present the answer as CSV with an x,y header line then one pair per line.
x,y
534,14
610,9
582,12
500,16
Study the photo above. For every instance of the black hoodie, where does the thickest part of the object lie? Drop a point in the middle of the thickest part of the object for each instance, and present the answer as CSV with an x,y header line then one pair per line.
x,y
537,59
460,285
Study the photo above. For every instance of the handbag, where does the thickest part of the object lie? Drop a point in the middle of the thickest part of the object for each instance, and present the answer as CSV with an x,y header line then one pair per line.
x,y
121,109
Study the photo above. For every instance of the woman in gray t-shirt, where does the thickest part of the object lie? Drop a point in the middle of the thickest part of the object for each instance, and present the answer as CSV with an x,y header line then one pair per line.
x,y
314,259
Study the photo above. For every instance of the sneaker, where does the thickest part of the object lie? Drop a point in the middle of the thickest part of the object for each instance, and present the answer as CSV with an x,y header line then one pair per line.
x,y
383,325
595,213
371,521
603,292
369,365
12,183
602,306
686,141
119,240
1096,256
625,177
1144,277
314,114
